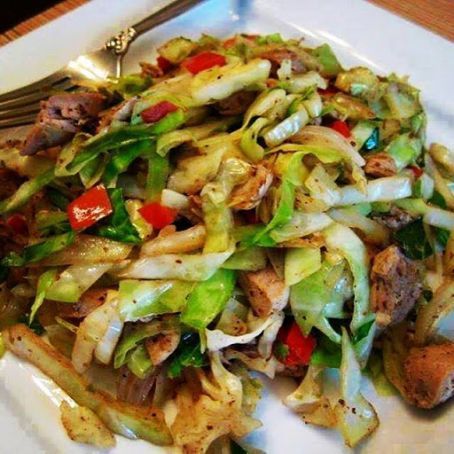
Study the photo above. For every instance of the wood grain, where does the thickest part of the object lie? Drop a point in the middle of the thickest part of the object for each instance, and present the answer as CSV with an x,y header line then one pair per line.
x,y
435,15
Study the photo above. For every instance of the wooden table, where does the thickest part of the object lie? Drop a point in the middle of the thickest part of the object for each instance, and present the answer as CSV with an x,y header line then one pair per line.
x,y
435,15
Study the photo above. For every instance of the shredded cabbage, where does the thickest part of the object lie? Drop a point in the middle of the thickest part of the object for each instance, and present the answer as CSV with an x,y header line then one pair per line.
x,y
217,339
74,281
308,400
220,82
343,240
218,407
186,267
97,335
354,425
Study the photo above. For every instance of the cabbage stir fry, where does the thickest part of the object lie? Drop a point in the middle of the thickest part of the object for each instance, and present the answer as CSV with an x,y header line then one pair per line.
x,y
241,205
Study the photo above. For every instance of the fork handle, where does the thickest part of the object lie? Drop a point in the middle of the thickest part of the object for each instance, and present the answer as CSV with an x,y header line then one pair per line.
x,y
119,44
173,9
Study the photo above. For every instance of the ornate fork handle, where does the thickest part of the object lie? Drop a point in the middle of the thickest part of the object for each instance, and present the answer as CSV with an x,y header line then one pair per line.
x,y
119,44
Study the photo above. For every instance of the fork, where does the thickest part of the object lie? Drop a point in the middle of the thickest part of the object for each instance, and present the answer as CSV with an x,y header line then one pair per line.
x,y
19,107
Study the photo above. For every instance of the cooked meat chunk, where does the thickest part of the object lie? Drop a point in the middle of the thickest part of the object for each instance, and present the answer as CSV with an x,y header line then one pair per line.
x,y
265,290
159,348
235,104
75,106
380,165
430,374
87,303
277,56
395,286
395,219
44,136
61,116
249,195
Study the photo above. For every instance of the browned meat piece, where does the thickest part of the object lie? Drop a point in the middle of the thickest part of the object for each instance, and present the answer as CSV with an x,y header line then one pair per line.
x,y
395,219
277,56
46,136
159,348
380,165
249,195
266,292
395,286
87,303
430,374
61,116
121,112
75,106
235,104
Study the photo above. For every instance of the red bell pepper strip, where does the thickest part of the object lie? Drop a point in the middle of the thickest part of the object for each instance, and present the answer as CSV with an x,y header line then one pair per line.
x,y
158,111
18,224
203,61
341,127
417,171
164,64
158,215
89,208
299,347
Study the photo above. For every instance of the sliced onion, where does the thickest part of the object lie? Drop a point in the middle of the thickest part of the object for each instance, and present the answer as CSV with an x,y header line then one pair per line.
x,y
321,136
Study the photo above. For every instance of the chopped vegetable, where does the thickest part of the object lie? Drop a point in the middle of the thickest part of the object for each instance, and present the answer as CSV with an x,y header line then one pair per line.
x,y
413,241
343,240
158,215
203,61
220,82
300,263
139,299
89,208
26,191
127,420
174,51
155,113
299,348
188,354
75,280
341,127
325,55
217,289
82,425
186,267
39,251
119,226
356,416
44,282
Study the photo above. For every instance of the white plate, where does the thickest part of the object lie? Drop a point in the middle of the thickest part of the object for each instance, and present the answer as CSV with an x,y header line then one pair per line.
x,y
360,34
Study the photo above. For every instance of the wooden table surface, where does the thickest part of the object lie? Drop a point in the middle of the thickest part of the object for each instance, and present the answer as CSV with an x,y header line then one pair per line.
x,y
435,15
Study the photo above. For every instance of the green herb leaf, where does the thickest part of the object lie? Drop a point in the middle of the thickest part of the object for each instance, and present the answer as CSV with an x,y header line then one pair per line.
x,y
326,57
119,227
188,354
208,299
39,251
413,241
122,158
